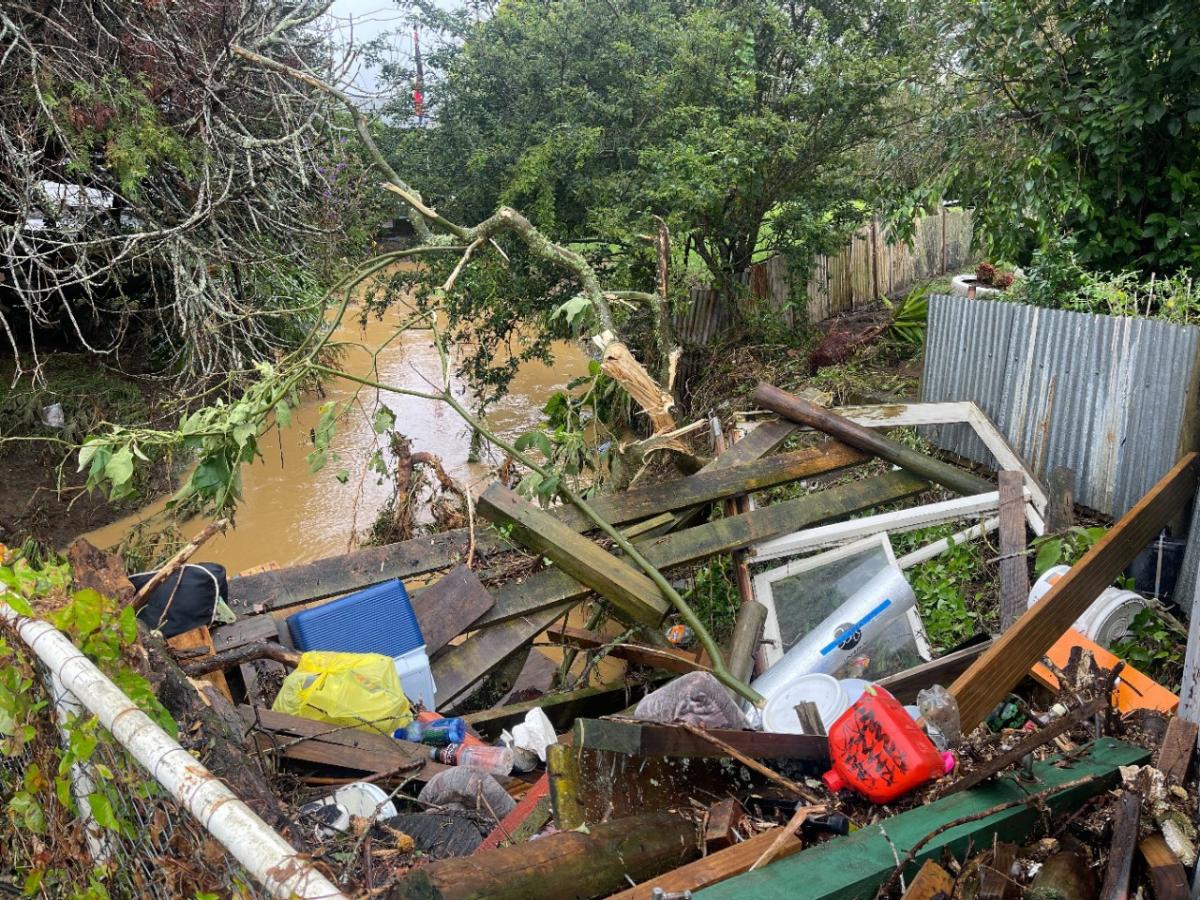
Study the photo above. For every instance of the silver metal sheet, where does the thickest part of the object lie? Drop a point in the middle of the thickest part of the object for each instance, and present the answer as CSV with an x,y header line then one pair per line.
x,y
1113,398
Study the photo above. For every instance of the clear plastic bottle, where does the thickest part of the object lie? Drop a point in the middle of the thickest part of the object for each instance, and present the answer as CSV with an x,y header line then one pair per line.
x,y
939,709
495,760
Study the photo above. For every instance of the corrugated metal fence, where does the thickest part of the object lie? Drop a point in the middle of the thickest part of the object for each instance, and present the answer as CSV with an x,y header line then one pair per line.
x,y
866,268
1115,399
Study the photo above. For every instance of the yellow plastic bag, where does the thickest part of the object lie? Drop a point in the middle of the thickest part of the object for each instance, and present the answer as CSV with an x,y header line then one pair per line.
x,y
361,690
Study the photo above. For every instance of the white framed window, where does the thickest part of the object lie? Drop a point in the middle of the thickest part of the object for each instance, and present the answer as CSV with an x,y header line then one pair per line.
x,y
802,593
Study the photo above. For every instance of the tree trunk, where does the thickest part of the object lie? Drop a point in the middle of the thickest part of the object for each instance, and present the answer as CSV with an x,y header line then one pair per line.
x,y
567,864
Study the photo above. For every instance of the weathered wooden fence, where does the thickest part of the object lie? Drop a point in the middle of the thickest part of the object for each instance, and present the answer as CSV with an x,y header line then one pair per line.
x,y
866,268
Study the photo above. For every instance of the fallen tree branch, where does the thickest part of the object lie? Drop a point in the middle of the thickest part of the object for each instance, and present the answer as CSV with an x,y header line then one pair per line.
x,y
227,659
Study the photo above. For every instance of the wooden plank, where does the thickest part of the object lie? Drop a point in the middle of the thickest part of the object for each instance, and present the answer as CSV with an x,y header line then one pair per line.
x,y
199,638
721,824
857,864
668,660
1174,757
905,685
1168,879
932,881
538,795
551,587
713,484
531,606
347,748
1014,565
646,739
449,606
995,673
1060,510
637,599
715,867
761,441
428,553
1121,849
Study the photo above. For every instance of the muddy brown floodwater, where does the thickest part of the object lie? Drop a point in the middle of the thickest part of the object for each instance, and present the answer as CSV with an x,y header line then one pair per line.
x,y
290,515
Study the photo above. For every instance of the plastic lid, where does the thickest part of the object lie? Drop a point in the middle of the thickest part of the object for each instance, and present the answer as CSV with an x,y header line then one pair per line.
x,y
834,781
779,715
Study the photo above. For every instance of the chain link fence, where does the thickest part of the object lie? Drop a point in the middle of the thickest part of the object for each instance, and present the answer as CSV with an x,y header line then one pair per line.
x,y
99,828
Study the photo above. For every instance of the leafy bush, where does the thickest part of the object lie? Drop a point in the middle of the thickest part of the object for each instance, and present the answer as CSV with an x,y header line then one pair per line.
x,y
1057,280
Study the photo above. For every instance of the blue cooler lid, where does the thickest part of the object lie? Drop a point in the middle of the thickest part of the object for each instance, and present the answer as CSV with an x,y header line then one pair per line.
x,y
379,619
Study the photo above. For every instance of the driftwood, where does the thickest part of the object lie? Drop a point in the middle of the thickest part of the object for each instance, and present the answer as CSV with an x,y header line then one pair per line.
x,y
568,864
249,653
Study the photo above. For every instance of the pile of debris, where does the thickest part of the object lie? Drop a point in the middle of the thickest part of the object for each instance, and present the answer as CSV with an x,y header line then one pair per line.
x,y
419,746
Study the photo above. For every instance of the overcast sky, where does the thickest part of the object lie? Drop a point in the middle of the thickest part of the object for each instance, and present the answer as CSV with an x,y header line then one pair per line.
x,y
362,21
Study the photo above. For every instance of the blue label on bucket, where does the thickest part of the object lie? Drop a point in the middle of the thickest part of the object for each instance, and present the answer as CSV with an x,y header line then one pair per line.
x,y
847,634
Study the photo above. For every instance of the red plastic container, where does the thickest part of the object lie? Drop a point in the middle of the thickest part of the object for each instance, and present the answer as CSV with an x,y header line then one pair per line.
x,y
879,751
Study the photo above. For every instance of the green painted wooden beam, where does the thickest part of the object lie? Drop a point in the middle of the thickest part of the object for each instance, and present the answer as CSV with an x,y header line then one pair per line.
x,y
856,865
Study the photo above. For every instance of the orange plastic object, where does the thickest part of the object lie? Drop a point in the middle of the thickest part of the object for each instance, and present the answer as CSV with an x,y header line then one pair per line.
x,y
1134,690
879,751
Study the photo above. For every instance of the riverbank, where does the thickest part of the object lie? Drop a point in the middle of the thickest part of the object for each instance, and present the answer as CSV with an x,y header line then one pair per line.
x,y
42,496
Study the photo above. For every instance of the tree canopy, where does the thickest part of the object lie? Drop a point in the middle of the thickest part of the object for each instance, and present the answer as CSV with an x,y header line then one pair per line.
x,y
742,124
1075,117
159,197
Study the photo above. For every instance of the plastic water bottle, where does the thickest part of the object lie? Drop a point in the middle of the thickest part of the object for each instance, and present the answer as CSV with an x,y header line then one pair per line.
x,y
496,760
939,709
437,733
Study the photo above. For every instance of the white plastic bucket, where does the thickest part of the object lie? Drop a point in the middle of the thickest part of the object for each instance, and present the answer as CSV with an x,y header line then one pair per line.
x,y
779,715
1109,617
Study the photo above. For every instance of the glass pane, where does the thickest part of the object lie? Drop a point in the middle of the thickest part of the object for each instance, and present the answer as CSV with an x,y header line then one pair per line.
x,y
804,600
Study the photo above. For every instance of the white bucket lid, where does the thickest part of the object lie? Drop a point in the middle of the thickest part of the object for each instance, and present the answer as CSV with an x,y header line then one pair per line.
x,y
365,800
1107,619
1110,617
779,715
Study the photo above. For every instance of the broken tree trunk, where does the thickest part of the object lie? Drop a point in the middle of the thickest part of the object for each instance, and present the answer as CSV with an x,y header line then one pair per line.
x,y
798,410
567,864
995,673
210,726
